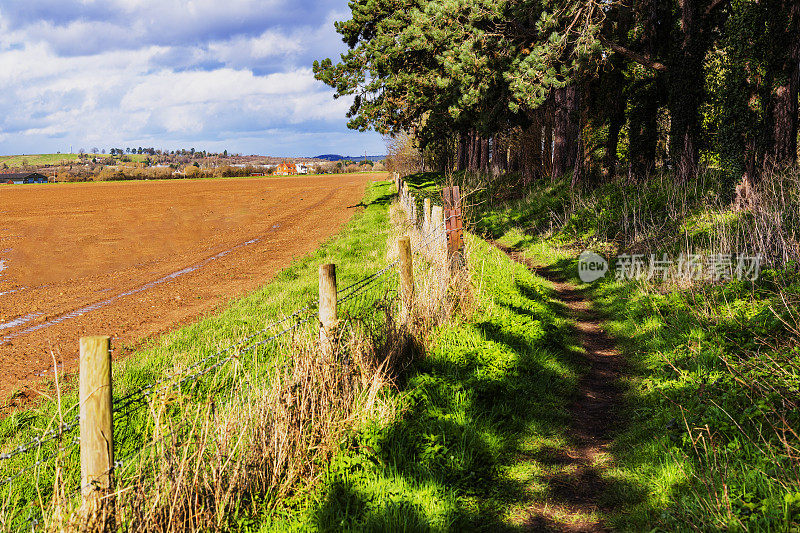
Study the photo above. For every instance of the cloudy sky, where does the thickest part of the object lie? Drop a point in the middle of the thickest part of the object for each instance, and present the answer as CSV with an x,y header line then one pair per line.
x,y
208,74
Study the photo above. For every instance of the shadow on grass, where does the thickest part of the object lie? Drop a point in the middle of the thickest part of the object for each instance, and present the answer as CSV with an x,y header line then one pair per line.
x,y
484,424
425,180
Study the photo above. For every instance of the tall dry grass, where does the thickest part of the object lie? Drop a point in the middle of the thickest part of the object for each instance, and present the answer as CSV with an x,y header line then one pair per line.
x,y
442,288
244,450
660,215
265,437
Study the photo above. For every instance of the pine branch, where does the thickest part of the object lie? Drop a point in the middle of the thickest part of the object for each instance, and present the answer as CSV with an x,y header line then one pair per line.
x,y
638,57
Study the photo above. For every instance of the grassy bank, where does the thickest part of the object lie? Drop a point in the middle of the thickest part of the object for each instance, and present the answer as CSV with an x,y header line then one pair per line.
x,y
182,403
474,422
712,385
713,402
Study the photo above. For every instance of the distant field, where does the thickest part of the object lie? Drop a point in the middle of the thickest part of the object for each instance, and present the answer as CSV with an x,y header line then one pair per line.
x,y
52,159
133,259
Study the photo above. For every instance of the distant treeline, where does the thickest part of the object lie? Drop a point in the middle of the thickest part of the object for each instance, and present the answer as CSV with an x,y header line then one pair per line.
x,y
122,173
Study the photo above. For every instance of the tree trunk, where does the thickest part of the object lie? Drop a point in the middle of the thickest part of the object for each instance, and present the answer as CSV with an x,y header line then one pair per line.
x,y
686,83
565,130
471,150
785,94
499,155
475,160
461,151
547,154
484,154
643,130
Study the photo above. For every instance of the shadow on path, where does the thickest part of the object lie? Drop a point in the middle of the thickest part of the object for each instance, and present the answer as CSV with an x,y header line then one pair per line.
x,y
503,426
578,490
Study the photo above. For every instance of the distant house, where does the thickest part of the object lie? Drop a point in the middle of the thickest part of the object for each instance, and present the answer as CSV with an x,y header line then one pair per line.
x,y
286,169
301,168
20,178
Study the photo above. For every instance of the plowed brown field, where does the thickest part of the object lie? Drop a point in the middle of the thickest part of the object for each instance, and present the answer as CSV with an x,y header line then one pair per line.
x,y
134,259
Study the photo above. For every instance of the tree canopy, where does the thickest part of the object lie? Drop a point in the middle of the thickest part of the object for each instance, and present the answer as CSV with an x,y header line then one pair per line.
x,y
600,89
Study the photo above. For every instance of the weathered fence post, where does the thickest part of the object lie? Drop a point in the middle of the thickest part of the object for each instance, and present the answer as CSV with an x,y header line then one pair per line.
x,y
96,425
412,209
426,217
454,226
327,309
426,226
406,279
437,229
400,191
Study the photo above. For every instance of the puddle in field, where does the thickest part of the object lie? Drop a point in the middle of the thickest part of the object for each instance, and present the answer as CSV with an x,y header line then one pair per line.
x,y
21,320
50,370
4,262
99,305
12,291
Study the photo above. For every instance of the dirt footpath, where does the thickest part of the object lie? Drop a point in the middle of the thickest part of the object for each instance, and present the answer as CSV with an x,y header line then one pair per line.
x,y
135,259
578,497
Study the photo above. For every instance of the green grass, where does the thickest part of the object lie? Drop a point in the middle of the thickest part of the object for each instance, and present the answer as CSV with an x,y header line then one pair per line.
x,y
712,371
479,417
13,161
36,159
712,374
359,249
713,380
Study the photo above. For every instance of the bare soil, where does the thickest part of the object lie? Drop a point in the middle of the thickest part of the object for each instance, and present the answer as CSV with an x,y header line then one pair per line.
x,y
136,259
577,499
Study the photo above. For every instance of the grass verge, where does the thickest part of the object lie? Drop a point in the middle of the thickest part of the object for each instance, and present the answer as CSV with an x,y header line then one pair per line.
x,y
712,401
474,424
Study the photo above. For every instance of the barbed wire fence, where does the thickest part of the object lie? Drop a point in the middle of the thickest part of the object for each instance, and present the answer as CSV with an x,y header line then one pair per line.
x,y
32,472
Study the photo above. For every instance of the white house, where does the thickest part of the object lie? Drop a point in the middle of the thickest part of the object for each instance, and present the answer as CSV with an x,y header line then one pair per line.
x,y
301,168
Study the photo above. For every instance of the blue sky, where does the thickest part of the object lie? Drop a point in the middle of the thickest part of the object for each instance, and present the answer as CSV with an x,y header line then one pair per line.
x,y
208,74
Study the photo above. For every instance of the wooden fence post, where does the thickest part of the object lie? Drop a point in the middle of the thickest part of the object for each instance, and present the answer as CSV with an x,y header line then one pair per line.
x,y
412,209
96,423
406,279
327,309
437,229
426,218
454,226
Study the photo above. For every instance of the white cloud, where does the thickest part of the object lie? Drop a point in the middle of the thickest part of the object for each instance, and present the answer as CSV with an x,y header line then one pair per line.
x,y
221,85
128,86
